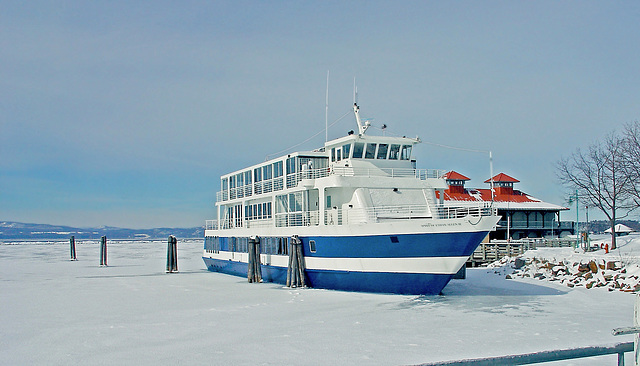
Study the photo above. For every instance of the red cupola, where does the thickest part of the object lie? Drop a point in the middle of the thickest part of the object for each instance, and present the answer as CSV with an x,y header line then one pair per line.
x,y
455,181
503,184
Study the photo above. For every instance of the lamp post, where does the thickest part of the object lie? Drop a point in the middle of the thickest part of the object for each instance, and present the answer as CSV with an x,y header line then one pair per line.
x,y
508,222
588,243
577,230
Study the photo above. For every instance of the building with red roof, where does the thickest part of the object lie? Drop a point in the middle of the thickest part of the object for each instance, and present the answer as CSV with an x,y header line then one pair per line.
x,y
523,216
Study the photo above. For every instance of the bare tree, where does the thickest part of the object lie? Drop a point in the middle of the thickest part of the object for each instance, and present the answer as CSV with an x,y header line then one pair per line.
x,y
631,159
600,178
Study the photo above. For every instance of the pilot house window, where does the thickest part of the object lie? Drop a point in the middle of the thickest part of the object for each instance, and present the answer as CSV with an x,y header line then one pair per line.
x,y
346,149
371,151
382,151
358,149
406,152
394,152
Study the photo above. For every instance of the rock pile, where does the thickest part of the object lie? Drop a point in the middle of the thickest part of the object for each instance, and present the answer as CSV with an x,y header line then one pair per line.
x,y
612,275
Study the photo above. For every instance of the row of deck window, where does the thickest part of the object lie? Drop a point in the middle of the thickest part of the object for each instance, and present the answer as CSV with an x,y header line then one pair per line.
x,y
268,245
371,150
269,178
259,174
258,211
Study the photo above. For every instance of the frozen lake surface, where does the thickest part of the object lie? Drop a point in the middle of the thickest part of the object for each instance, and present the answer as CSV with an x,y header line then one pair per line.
x,y
59,312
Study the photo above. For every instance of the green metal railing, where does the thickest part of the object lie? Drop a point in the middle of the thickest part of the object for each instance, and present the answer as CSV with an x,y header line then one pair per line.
x,y
546,356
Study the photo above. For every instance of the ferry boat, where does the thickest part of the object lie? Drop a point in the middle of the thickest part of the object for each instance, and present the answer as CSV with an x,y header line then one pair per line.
x,y
367,219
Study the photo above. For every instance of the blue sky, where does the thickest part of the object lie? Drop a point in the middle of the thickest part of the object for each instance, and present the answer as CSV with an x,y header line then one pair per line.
x,y
126,113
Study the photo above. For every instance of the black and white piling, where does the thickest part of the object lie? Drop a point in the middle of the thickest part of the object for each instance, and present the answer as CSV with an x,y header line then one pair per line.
x,y
254,272
103,251
172,255
72,245
296,268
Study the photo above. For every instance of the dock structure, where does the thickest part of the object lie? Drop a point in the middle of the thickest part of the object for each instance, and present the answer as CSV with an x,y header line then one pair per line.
x,y
521,215
498,249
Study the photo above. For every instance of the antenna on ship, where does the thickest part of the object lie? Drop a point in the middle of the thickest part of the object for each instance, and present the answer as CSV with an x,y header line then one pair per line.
x,y
355,91
362,127
326,112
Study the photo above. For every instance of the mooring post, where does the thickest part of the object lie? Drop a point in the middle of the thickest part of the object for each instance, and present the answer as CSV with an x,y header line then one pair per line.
x,y
103,251
250,260
288,284
72,244
301,265
254,270
258,265
296,268
172,254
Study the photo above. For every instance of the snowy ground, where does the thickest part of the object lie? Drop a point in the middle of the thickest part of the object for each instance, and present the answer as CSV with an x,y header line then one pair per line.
x,y
57,312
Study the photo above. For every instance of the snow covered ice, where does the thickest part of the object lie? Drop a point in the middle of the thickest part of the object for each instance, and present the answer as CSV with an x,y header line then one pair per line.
x,y
59,312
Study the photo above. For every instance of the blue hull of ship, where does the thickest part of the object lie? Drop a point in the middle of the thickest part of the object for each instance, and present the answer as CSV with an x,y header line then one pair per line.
x,y
396,283
380,246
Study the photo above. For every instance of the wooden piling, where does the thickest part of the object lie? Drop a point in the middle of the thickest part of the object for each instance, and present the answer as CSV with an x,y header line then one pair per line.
x,y
296,268
72,245
254,270
103,251
289,266
172,254
301,266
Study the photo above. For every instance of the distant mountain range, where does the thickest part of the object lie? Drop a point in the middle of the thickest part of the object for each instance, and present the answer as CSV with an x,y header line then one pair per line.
x,y
22,231
10,230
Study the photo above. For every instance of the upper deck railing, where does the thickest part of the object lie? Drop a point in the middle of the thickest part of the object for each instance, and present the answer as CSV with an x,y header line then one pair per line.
x,y
292,180
352,216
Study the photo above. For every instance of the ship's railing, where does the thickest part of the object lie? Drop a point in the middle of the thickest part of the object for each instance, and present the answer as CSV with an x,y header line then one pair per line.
x,y
452,212
388,172
338,216
211,225
304,218
292,180
350,216
375,214
255,188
